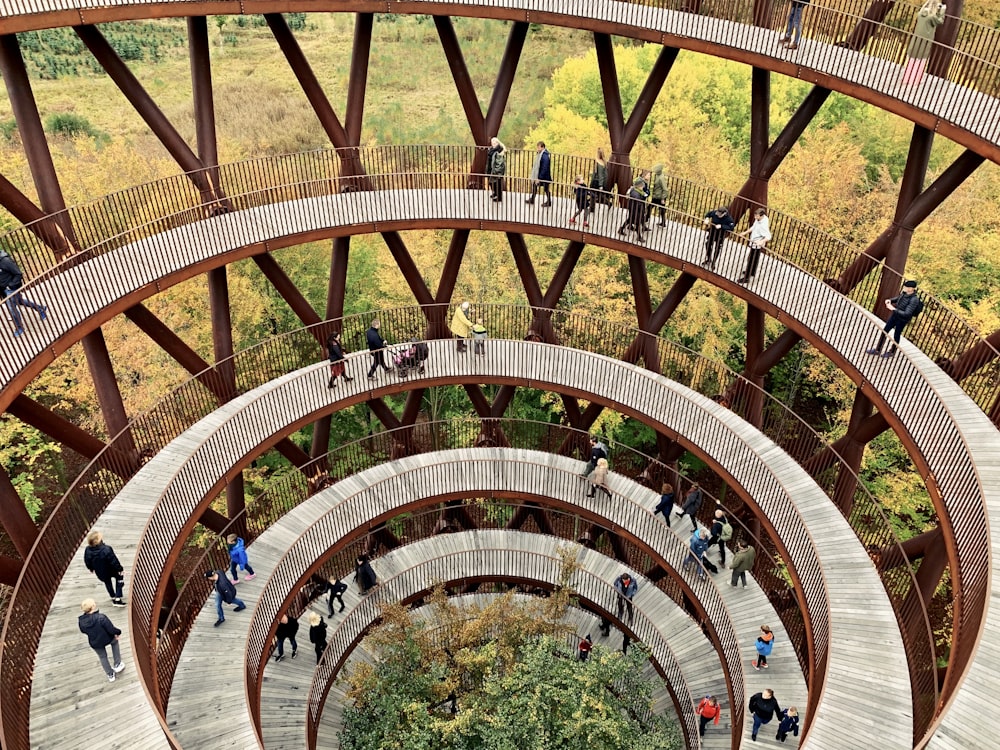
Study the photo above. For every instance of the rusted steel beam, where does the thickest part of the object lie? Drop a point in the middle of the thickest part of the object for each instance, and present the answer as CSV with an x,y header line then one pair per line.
x,y
288,291
479,401
144,105
10,570
203,99
525,269
438,326
463,81
505,77
754,190
647,97
866,431
178,350
106,386
659,317
295,455
213,521
754,412
619,168
37,222
58,428
541,517
869,24
34,143
978,355
357,81
563,273
222,348
943,51
14,517
384,414
411,273
918,209
910,550
307,80
643,309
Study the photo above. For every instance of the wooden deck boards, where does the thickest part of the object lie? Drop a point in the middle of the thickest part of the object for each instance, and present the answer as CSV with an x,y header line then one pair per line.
x,y
970,110
527,362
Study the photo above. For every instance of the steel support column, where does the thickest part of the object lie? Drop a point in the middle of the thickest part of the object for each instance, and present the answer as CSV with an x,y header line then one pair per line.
x,y
222,348
357,82
438,325
144,105
10,571
463,83
289,292
852,452
34,143
404,261
106,386
754,397
505,77
37,222
336,291
203,99
14,517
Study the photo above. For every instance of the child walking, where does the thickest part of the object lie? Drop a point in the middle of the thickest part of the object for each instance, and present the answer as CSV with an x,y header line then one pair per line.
x,y
238,558
582,196
765,642
479,337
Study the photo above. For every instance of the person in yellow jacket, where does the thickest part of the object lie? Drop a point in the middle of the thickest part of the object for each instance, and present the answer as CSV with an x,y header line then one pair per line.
x,y
461,326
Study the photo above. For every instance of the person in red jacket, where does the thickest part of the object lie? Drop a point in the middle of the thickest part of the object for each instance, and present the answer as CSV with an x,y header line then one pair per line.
x,y
708,710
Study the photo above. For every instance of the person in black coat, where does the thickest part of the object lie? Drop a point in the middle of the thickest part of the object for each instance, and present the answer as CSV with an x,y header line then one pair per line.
x,y
102,561
317,634
336,588
365,575
376,345
101,634
287,628
338,367
719,222
904,308
635,216
598,450
11,280
225,591
692,502
764,707
541,174
666,504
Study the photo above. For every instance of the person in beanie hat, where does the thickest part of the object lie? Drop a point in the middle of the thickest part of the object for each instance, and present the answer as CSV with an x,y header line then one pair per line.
x,y
905,308
636,209
719,222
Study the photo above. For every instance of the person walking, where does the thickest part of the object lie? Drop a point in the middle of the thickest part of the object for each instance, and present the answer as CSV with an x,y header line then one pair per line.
x,y
479,334
635,215
692,503
764,707
598,182
598,450
102,561
719,222
722,532
541,175
582,198
905,308
225,591
287,628
658,195
101,634
599,479
364,574
11,281
666,504
764,644
626,586
338,366
336,588
742,563
461,326
708,710
317,634
376,347
496,166
696,553
789,723
238,559
929,17
758,236
584,648
793,28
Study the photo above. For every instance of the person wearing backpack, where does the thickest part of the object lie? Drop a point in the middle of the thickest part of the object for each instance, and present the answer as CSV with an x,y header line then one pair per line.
x,y
658,196
722,532
496,167
905,308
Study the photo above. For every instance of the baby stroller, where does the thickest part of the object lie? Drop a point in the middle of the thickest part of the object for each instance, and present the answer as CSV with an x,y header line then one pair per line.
x,y
410,357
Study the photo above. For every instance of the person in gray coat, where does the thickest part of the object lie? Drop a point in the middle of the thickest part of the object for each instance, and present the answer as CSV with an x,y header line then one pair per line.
x,y
692,503
101,634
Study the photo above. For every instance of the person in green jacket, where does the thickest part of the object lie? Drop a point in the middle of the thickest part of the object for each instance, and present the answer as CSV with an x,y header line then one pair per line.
x,y
742,562
658,195
930,16
461,326
479,337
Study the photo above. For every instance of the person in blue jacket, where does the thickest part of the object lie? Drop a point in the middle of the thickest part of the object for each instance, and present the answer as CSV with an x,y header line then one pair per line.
x,y
238,558
376,346
541,175
789,723
626,587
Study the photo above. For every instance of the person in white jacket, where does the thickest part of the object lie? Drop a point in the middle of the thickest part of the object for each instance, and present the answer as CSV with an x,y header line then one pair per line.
x,y
759,234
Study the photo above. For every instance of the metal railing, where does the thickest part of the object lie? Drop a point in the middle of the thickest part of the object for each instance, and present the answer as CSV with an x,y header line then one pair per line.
x,y
90,494
428,178
587,586
850,41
